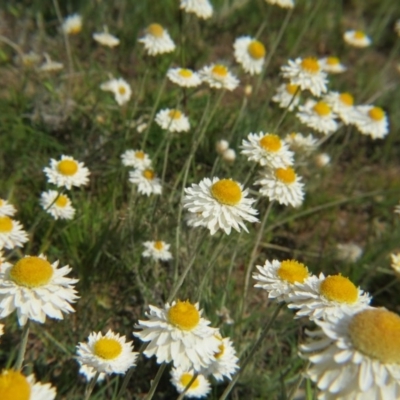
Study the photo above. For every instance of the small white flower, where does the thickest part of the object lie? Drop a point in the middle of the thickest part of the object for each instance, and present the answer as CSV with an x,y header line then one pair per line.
x,y
137,159
184,77
395,262
106,39
72,25
157,250
218,76
157,40
172,120
350,252
221,146
300,143
198,389
146,181
30,59
343,105
357,38
282,3
67,172
49,65
250,54
332,65
229,155
57,205
287,95
201,8
121,89
372,121
12,233
90,372
322,160
6,209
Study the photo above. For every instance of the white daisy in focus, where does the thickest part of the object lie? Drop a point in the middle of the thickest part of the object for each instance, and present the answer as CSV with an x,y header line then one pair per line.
x,y
372,121
332,65
321,160
106,39
319,116
179,333
287,95
306,73
184,77
202,8
157,250
14,385
357,356
357,38
327,297
395,262
343,105
49,65
221,146
67,172
349,252
218,76
121,89
250,54
89,373
137,159
267,149
304,145
172,120
279,277
109,354
12,233
6,209
157,40
59,206
36,289
219,204
72,25
198,389
146,181
282,3
282,185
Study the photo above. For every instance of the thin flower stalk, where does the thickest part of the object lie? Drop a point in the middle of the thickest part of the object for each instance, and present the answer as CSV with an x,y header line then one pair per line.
x,y
22,347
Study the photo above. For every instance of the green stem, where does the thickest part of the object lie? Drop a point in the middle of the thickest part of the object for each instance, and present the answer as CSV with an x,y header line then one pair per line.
x,y
22,347
155,382
166,154
91,386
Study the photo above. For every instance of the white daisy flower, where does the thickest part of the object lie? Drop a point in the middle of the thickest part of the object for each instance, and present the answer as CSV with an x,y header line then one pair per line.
x,y
72,25
137,159
172,120
218,76
219,204
106,39
109,354
89,373
59,206
343,105
306,73
250,54
324,297
332,65
157,40
267,149
157,250
321,160
184,77
287,95
319,116
36,288
49,65
282,3
372,121
221,146
349,252
67,172
121,89
202,8
357,38
6,209
300,143
12,233
279,277
3,263
178,333
229,155
356,357
198,389
282,185
30,59
14,385
146,181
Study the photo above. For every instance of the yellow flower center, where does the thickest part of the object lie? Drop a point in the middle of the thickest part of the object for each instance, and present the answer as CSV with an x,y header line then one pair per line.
x,y
175,114
139,154
6,224
346,98
256,50
185,73
149,174
322,109
121,90
221,350
186,378
226,191
220,71
271,142
74,29
310,65
332,61
14,386
31,272
292,89
184,315
376,333
62,201
1,202
293,271
67,167
155,30
376,113
286,175
107,348
340,289
158,245
359,35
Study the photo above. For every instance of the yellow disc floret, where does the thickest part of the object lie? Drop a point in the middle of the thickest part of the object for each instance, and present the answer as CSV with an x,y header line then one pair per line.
x,y
226,191
340,289
256,50
292,89
186,378
376,113
139,154
14,386
293,271
6,224
322,109
31,272
271,142
359,35
346,98
185,73
175,114
310,65
220,71
149,174
121,90
155,30
62,201
286,175
221,351
158,245
67,167
184,315
376,333
333,61
1,202
107,348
